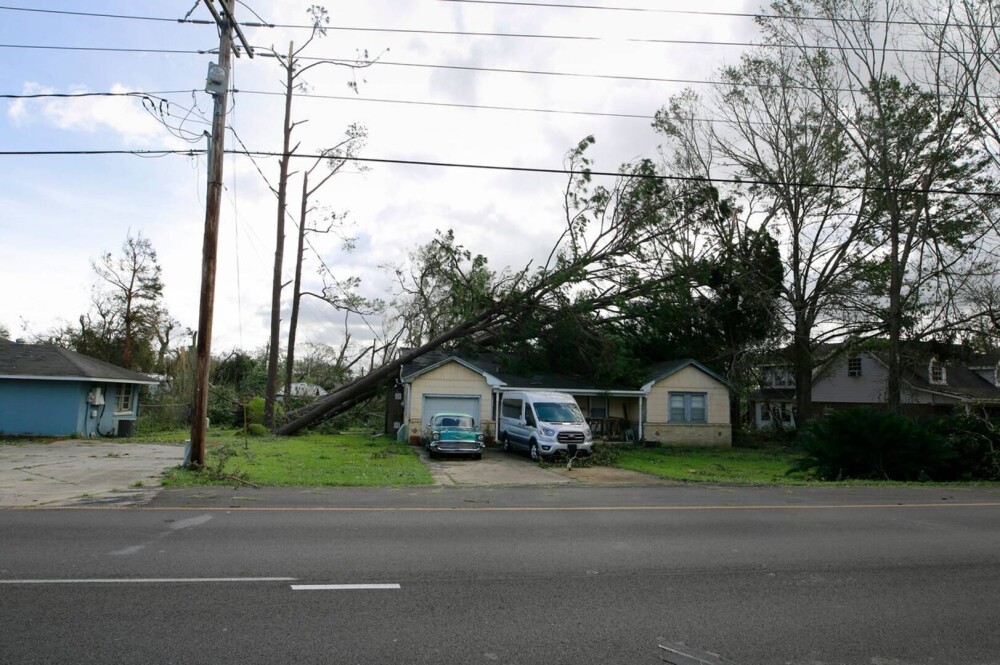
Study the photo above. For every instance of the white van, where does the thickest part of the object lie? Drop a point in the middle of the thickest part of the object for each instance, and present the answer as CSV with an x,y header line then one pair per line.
x,y
543,423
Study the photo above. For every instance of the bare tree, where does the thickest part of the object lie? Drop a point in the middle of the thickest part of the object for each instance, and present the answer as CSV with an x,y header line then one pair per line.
x,y
964,34
335,159
294,70
134,291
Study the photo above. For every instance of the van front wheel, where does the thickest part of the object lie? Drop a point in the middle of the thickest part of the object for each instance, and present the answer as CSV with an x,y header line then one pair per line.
x,y
534,452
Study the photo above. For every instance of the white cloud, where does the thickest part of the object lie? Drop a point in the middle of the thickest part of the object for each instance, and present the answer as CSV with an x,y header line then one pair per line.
x,y
133,121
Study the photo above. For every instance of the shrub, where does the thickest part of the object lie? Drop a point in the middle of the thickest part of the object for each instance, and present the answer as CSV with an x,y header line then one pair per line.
x,y
254,411
868,444
256,429
222,401
976,444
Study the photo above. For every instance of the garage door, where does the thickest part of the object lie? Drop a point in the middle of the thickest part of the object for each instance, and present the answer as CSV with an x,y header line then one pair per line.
x,y
468,404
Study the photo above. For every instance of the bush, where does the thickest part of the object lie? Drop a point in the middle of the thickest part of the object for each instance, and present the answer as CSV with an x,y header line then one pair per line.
x,y
222,401
254,411
868,444
256,429
976,444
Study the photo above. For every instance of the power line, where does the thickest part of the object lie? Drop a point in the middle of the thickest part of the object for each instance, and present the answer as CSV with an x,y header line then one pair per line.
x,y
495,167
351,61
508,35
135,93
486,107
131,17
542,5
683,12
109,49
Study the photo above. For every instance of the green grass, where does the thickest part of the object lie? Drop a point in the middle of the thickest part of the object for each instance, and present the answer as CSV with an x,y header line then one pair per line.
x,y
742,466
316,460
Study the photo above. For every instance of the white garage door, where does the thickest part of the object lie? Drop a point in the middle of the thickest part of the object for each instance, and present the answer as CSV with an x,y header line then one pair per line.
x,y
468,404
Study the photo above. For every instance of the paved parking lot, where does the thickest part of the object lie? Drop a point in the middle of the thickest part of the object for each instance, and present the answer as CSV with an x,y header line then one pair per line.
x,y
63,472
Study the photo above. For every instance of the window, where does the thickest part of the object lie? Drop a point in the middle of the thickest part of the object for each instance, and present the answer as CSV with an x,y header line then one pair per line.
x,y
511,408
936,372
688,408
598,407
124,402
779,376
854,366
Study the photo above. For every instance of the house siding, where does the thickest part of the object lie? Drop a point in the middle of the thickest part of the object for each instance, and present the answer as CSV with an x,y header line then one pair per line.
x,y
43,408
450,379
60,408
834,387
717,431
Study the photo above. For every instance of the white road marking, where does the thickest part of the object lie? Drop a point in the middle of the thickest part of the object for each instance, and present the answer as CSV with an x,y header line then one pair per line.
x,y
341,587
152,580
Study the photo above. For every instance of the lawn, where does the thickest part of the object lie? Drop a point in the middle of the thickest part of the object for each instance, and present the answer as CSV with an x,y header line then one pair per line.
x,y
766,466
315,460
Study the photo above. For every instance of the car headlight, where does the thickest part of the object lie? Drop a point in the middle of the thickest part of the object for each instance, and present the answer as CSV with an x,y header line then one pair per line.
x,y
547,431
436,435
479,437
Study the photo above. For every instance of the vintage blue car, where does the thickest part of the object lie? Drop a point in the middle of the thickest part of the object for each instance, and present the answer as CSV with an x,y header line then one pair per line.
x,y
454,434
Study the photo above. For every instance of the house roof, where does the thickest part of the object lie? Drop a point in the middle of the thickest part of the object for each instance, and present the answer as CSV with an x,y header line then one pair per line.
x,y
491,367
662,370
47,362
960,380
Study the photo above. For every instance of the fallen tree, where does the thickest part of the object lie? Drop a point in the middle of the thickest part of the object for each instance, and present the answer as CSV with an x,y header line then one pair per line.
x,y
605,256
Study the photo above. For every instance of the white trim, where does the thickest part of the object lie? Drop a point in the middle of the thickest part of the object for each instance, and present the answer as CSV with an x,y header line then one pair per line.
x,y
490,379
575,391
342,587
88,379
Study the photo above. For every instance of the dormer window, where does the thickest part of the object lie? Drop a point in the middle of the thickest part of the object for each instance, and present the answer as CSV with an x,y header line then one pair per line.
x,y
936,373
779,376
854,366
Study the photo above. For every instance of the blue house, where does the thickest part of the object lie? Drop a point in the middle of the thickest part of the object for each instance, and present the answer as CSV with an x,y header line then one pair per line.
x,y
46,390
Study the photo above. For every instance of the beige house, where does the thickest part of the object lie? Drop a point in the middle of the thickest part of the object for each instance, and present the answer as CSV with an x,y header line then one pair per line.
x,y
682,403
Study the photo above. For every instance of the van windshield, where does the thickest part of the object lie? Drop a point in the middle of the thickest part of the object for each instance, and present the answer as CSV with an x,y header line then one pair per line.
x,y
554,412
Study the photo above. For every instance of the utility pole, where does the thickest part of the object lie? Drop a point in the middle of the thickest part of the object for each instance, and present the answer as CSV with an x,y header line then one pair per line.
x,y
217,85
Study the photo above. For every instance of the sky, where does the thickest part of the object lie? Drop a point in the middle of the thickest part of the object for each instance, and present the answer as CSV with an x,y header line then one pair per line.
x,y
58,213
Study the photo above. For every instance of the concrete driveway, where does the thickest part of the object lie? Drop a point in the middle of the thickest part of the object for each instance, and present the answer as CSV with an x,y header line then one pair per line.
x,y
500,468
72,472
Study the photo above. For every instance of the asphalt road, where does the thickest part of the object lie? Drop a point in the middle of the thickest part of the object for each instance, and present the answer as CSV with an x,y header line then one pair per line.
x,y
508,575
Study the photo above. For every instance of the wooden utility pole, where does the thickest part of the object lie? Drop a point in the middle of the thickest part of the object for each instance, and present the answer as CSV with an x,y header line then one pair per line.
x,y
227,24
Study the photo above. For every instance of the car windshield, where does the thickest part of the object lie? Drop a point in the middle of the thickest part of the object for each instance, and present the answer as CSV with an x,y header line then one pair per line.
x,y
454,421
554,412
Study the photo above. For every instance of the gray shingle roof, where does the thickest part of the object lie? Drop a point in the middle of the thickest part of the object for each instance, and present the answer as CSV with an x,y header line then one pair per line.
x,y
488,363
50,362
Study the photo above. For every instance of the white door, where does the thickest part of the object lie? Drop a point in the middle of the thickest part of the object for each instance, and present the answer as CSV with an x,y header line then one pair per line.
x,y
433,404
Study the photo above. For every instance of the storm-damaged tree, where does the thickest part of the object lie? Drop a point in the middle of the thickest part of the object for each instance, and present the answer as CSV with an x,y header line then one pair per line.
x,y
128,301
598,262
964,34
927,188
788,149
292,63
335,159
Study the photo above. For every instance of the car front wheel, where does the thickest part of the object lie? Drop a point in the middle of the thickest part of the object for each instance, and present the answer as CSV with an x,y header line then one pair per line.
x,y
534,452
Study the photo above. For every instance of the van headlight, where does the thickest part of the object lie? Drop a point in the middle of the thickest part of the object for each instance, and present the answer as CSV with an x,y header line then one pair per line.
x,y
548,431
